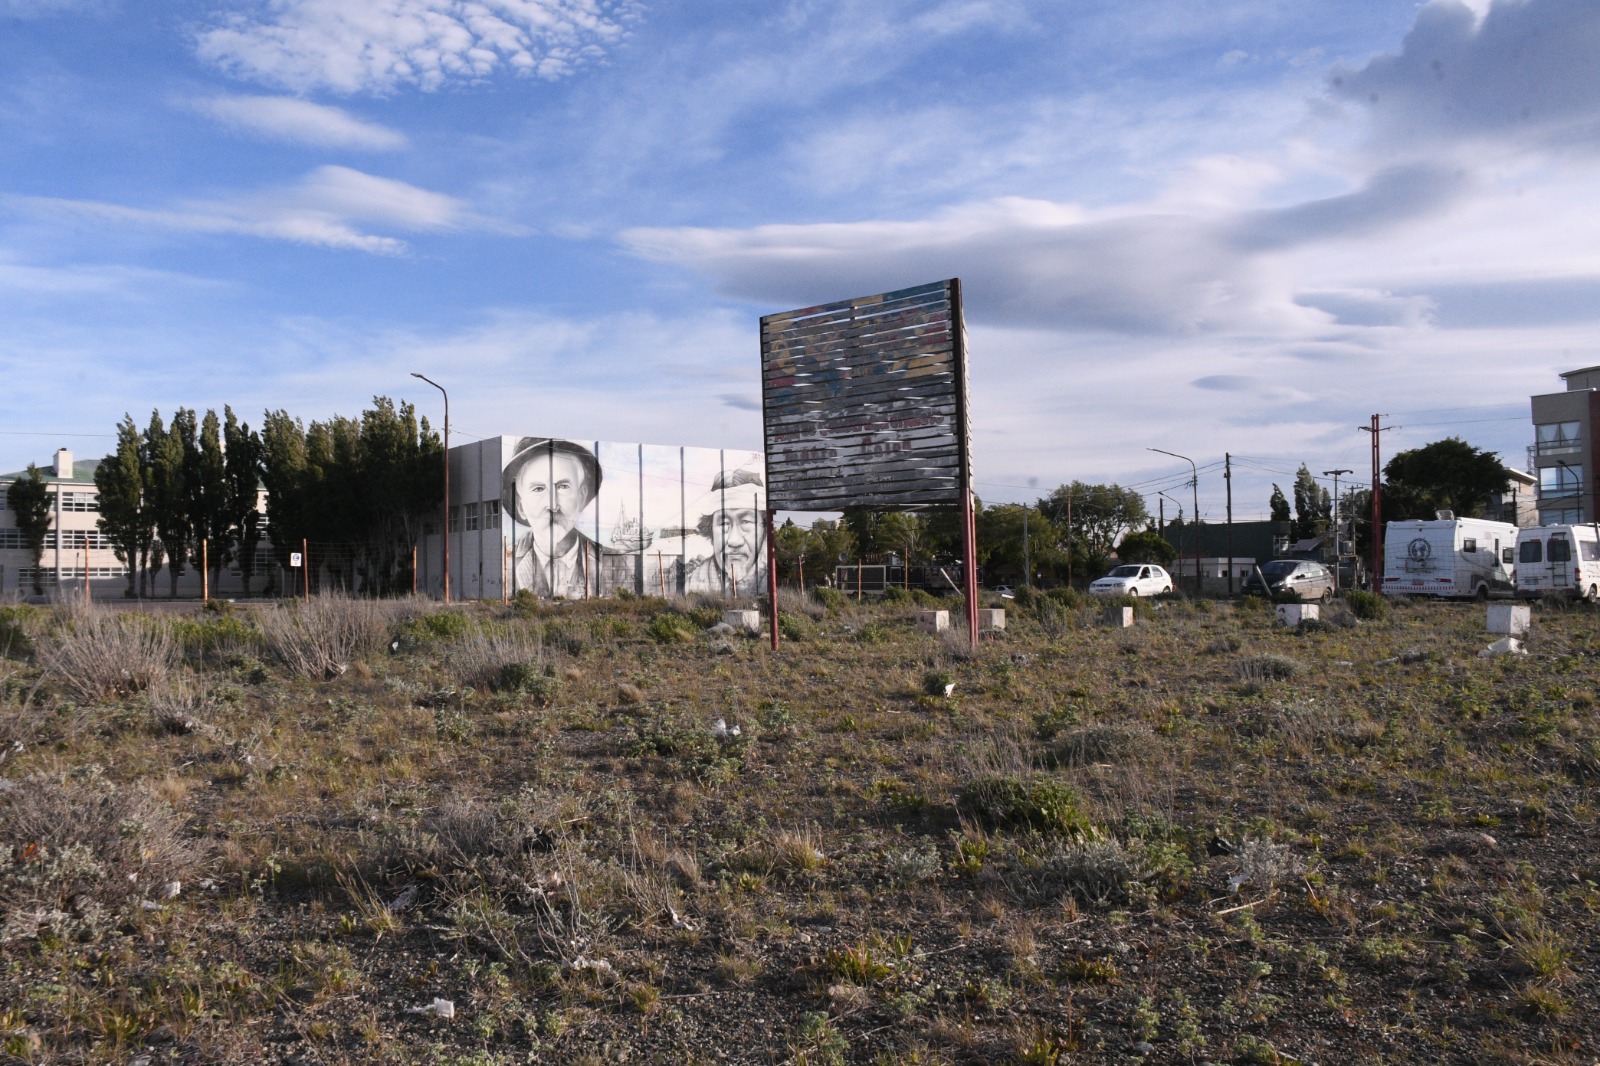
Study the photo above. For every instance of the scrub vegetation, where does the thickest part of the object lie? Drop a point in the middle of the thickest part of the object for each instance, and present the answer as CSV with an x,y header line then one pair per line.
x,y
387,831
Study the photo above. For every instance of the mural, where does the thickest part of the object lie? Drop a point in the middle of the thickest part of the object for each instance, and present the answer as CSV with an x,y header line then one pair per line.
x,y
588,519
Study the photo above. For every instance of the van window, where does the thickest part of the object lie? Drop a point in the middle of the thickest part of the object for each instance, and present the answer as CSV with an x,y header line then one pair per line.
x,y
1508,556
1590,549
1531,551
1560,550
1469,544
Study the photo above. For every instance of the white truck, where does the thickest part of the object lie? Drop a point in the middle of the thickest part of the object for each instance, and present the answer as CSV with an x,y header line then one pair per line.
x,y
1559,560
1449,557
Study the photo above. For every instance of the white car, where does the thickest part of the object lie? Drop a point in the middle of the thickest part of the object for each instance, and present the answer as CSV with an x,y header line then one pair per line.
x,y
1005,592
1141,579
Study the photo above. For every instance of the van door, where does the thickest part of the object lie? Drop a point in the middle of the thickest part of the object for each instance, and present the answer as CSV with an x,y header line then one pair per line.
x,y
1558,553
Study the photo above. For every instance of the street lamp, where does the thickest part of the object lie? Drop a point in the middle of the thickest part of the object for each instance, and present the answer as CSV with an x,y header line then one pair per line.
x,y
440,387
1194,486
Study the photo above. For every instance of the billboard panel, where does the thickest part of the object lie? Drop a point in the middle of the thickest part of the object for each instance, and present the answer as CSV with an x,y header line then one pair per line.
x,y
865,401
589,518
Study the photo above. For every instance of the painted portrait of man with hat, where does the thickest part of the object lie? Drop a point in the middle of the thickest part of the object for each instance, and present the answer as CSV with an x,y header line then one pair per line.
x,y
547,485
730,517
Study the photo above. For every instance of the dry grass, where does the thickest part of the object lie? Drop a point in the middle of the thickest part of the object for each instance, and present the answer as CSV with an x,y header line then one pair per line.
x,y
96,653
1036,868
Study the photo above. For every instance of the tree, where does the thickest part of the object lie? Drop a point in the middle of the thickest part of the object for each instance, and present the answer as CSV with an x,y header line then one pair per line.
x,y
1313,506
167,491
1279,505
124,518
1447,475
206,481
1001,550
29,498
1092,519
242,473
1146,546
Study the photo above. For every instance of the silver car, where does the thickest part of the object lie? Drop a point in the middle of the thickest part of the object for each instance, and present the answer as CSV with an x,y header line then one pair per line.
x,y
1292,579
1133,579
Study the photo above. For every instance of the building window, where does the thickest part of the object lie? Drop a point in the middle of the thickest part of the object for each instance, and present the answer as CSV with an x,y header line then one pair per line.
x,y
1560,516
11,538
455,520
82,538
79,501
1563,480
1556,438
491,514
472,516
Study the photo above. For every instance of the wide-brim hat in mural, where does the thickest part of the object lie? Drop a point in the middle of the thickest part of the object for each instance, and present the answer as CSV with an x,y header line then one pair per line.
x,y
748,495
535,449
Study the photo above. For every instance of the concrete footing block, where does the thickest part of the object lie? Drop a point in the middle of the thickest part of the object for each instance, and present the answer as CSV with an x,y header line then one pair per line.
x,y
743,621
933,621
1292,614
1512,619
991,618
1117,617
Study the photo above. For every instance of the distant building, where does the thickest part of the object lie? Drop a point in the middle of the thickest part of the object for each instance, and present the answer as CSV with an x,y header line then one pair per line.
x,y
1566,454
75,550
74,540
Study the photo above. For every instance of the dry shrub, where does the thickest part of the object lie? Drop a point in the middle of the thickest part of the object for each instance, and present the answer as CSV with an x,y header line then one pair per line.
x,y
795,602
323,637
496,658
97,653
1269,667
83,855
1105,742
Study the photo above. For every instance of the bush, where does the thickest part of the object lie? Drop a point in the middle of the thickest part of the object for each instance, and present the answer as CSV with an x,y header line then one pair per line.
x,y
1269,668
224,637
85,854
440,625
1368,606
102,654
18,625
323,637
531,679
1038,803
1066,596
671,628
499,660
831,599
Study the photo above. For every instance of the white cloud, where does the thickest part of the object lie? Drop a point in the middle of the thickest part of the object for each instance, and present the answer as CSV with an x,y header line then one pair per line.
x,y
322,209
1513,71
1135,270
355,46
286,118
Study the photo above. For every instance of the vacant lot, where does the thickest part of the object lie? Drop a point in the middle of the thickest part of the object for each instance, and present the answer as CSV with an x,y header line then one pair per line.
x,y
383,832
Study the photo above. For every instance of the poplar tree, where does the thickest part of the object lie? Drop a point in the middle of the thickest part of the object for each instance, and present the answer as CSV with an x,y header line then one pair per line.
x,y
242,473
124,518
29,498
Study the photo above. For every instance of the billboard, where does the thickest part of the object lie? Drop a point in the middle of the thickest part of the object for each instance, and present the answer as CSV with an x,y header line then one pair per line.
x,y
865,401
576,519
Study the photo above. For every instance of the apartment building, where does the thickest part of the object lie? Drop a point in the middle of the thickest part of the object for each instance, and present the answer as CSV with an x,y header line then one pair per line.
x,y
1566,453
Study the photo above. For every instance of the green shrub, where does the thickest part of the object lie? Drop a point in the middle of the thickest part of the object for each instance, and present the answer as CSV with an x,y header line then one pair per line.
x,y
832,599
18,625
794,626
1368,606
671,629
705,616
935,682
1066,596
896,594
532,679
1038,803
220,636
440,625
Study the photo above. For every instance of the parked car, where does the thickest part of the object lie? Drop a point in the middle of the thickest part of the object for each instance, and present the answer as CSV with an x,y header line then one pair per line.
x,y
1291,579
1005,592
1133,579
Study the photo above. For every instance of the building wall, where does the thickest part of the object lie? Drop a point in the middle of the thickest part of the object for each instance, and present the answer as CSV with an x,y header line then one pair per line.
x,y
1567,468
643,529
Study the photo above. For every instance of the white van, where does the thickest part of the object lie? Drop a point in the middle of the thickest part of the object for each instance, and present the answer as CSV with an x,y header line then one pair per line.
x,y
1449,557
1559,560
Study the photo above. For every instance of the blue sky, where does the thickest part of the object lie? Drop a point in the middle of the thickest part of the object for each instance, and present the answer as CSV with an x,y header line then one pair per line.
x,y
1244,232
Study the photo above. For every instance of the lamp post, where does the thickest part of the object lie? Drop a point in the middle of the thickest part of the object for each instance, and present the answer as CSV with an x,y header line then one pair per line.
x,y
440,387
1194,487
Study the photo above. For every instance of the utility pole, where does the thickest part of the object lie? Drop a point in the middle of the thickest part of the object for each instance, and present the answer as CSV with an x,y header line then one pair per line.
x,y
446,395
1069,538
1194,519
1377,503
1338,552
1227,476
1027,565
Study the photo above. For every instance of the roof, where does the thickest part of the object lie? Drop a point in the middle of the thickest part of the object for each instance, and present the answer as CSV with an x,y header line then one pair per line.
x,y
82,473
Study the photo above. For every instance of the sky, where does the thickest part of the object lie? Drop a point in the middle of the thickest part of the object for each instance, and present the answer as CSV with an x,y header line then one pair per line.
x,y
1244,231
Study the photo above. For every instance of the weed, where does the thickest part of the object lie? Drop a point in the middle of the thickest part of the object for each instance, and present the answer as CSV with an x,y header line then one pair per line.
x,y
98,653
1367,606
1268,667
1038,802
